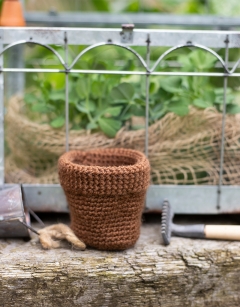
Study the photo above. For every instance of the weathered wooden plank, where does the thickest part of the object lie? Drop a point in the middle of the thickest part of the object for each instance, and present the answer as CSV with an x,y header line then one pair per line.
x,y
186,273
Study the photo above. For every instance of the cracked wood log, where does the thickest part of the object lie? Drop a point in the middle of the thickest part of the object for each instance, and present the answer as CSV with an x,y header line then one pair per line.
x,y
186,273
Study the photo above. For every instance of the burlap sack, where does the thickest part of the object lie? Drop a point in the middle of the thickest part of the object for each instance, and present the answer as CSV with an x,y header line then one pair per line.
x,y
182,150
105,190
35,148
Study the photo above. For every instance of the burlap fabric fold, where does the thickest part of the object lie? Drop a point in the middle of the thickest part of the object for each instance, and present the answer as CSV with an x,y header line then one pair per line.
x,y
182,149
105,190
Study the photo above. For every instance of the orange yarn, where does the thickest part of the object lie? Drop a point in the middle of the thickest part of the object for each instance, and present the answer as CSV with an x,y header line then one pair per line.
x,y
105,189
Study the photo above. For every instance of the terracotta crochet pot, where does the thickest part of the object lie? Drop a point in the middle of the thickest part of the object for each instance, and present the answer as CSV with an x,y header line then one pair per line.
x,y
105,189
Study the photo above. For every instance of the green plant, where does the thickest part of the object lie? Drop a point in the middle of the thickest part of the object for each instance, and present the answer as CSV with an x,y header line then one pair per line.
x,y
106,102
169,6
96,102
177,93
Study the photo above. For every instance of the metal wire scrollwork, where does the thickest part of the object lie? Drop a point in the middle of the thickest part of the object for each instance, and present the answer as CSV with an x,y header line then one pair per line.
x,y
148,73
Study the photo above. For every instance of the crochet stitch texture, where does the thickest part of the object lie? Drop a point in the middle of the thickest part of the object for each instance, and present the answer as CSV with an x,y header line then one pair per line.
x,y
105,189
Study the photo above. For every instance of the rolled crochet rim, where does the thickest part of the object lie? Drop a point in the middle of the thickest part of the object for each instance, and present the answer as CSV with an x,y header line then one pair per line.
x,y
131,168
78,179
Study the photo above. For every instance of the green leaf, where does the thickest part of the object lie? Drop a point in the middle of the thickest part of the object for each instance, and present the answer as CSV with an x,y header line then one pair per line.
x,y
57,81
55,96
97,89
91,126
58,122
233,109
90,105
203,104
46,85
220,99
75,75
76,127
140,102
202,60
126,116
101,5
178,107
185,62
82,88
158,111
122,92
109,126
99,65
82,108
40,107
208,94
137,110
30,98
219,92
85,106
171,84
114,111
153,88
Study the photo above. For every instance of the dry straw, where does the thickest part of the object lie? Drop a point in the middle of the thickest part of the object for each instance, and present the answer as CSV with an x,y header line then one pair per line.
x,y
182,150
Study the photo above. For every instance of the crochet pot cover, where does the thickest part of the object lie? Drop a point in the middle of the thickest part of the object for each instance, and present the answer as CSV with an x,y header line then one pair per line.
x,y
105,189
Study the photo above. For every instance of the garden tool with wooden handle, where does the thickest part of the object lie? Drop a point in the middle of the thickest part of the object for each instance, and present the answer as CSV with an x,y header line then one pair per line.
x,y
224,232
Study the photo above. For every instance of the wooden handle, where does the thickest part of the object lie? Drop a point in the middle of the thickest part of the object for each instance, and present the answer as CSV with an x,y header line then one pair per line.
x,y
224,232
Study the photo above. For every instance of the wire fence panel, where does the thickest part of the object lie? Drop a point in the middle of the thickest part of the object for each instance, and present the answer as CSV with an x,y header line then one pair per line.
x,y
185,199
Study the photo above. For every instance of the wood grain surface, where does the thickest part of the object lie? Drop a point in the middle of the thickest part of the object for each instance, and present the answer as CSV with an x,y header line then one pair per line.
x,y
187,273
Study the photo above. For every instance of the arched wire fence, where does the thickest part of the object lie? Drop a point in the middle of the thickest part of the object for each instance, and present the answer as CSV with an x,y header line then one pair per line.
x,y
185,199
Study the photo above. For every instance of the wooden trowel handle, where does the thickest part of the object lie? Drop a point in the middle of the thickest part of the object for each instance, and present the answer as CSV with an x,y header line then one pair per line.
x,y
224,232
